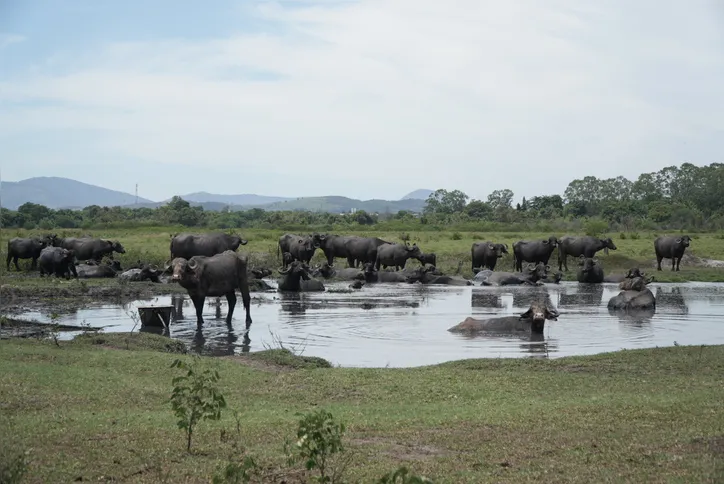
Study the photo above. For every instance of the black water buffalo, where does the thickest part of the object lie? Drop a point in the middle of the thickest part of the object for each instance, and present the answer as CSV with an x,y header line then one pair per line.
x,y
96,271
330,272
333,246
640,298
186,246
214,276
486,254
301,247
589,270
371,274
673,248
585,246
531,275
261,273
87,248
396,255
428,258
146,273
362,249
58,261
425,275
531,321
297,278
632,273
553,278
533,251
30,248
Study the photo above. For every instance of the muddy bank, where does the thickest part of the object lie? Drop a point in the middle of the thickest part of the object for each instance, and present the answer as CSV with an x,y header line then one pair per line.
x,y
19,328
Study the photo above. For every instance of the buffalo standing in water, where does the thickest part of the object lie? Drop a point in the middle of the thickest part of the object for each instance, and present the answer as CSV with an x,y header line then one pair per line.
x,y
215,276
589,270
296,278
531,321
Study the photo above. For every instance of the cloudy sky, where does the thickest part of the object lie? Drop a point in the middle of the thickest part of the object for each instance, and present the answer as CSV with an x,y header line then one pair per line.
x,y
362,98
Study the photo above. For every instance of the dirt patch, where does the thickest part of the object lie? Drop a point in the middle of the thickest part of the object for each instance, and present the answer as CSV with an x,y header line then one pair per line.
x,y
400,450
692,261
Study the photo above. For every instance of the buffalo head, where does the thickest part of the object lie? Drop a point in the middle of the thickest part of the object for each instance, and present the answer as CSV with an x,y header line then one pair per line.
x,y
414,251
538,312
684,241
608,244
296,269
634,272
117,247
184,269
587,264
552,241
537,271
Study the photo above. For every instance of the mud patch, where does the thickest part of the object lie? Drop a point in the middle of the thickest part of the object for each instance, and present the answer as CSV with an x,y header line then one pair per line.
x,y
401,450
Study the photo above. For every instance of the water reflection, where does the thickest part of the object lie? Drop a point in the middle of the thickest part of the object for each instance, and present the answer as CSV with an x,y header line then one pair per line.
x,y
485,299
671,299
582,294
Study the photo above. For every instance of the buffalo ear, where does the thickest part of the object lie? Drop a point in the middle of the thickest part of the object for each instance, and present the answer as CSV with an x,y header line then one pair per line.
x,y
552,314
526,314
491,246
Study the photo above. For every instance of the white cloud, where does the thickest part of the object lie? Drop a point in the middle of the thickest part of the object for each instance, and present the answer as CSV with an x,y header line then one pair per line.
x,y
461,94
9,39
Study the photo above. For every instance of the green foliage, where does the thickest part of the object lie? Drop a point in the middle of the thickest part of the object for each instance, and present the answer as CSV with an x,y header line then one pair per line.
x,y
595,227
319,438
403,476
237,472
195,397
13,466
446,202
456,236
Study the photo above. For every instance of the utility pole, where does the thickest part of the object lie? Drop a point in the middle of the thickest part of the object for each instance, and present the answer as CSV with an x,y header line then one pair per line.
x,y
136,194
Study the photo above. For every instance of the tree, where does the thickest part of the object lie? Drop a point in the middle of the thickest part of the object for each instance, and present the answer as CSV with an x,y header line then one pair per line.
x,y
478,209
448,202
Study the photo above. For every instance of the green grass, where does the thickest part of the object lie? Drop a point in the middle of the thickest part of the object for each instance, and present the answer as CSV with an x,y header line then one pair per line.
x,y
91,408
151,245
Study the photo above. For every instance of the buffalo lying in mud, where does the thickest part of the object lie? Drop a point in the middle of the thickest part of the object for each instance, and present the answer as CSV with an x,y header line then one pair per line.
x,y
186,246
531,321
297,278
330,272
372,275
215,276
426,275
589,270
532,275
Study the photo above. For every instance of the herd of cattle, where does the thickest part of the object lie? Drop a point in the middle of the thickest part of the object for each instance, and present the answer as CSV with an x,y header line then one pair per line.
x,y
207,265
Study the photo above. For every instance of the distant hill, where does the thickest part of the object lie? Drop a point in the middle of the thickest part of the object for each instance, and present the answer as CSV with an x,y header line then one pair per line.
x,y
243,199
57,192
421,194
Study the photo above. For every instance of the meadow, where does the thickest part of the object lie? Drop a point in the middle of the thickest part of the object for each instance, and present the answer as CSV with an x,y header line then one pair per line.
x,y
97,408
151,245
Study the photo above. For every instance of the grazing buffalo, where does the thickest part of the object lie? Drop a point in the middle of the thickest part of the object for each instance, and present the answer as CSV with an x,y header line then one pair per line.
x,y
531,321
428,258
214,276
534,251
330,272
486,254
186,246
396,255
362,249
301,247
671,248
371,274
21,248
586,246
87,248
297,278
589,270
146,273
424,276
333,246
531,275
58,261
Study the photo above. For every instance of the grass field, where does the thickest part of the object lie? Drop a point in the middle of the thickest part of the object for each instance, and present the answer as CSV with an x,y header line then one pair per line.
x,y
452,248
95,410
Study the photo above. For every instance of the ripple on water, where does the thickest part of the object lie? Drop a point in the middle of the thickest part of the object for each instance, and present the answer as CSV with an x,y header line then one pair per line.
x,y
406,325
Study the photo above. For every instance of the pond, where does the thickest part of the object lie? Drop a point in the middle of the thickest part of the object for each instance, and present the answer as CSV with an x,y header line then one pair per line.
x,y
403,325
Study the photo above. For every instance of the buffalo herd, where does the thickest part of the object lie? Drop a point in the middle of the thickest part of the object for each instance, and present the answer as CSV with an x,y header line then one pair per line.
x,y
208,265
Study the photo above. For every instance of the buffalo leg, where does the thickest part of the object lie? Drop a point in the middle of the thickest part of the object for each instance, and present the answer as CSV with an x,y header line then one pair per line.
x,y
199,306
231,299
658,261
246,299
15,261
34,264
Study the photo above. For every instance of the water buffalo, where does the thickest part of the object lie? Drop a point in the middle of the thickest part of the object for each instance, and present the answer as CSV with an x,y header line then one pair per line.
x,y
586,246
531,275
486,254
632,273
428,258
424,276
632,300
297,278
589,270
371,274
186,246
146,273
58,261
362,249
671,248
87,248
22,248
396,255
95,271
533,251
261,273
301,247
330,272
333,246
531,321
553,278
214,276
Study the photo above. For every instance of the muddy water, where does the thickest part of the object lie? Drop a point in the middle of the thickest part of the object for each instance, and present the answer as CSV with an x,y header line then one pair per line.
x,y
406,325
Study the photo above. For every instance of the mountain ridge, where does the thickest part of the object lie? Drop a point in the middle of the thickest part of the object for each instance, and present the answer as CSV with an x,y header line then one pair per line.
x,y
59,193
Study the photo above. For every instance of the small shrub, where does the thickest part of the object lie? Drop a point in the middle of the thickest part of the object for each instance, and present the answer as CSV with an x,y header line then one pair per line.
x,y
405,237
403,476
634,236
12,468
319,438
595,226
622,236
195,397
237,472
456,236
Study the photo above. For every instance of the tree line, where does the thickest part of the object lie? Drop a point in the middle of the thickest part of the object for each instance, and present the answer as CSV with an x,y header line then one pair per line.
x,y
685,197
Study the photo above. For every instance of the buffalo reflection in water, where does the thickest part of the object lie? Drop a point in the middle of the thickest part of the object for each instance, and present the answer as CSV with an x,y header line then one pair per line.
x,y
485,299
587,294
672,300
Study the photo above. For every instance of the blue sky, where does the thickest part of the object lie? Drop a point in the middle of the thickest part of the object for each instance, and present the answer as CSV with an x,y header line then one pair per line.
x,y
367,98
